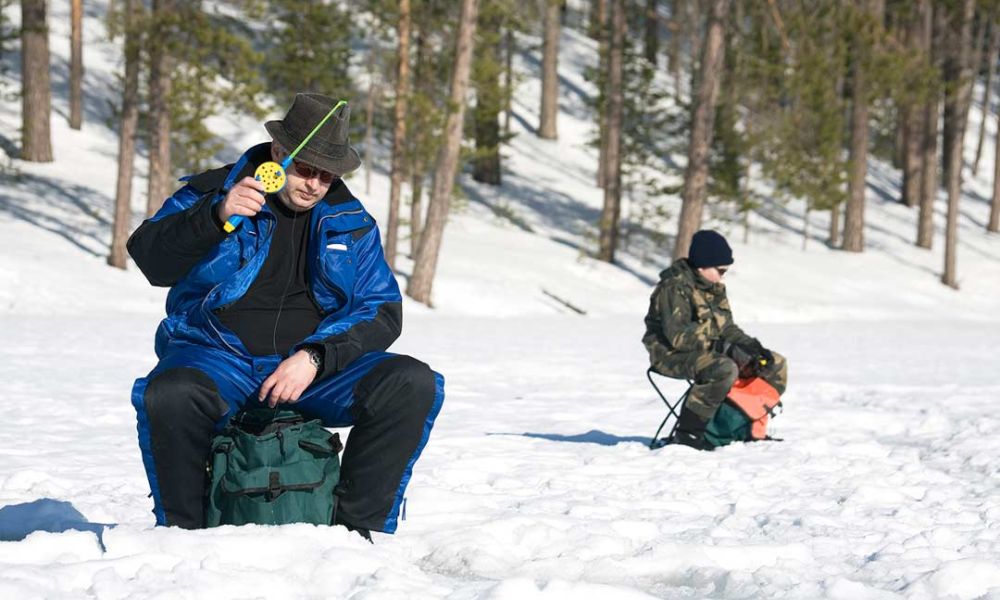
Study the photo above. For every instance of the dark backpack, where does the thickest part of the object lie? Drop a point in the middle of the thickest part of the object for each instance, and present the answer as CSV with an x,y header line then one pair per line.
x,y
272,468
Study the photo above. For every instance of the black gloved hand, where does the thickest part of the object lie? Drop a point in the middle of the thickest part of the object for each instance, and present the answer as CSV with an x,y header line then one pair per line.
x,y
751,357
745,359
767,356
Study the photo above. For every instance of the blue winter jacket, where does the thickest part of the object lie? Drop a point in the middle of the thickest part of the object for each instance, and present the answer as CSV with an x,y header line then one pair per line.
x,y
183,247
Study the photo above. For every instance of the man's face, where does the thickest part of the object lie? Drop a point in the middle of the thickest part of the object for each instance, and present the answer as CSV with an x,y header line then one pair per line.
x,y
305,185
713,274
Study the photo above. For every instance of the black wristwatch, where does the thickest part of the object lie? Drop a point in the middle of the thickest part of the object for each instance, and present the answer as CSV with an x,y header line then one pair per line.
x,y
315,357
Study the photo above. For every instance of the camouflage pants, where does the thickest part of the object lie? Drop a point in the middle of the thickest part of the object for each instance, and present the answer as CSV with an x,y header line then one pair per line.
x,y
712,374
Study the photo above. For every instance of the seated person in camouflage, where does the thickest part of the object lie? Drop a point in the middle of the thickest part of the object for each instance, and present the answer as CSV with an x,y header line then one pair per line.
x,y
690,334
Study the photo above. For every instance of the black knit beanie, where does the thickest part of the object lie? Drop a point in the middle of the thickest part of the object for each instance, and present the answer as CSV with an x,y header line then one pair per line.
x,y
709,249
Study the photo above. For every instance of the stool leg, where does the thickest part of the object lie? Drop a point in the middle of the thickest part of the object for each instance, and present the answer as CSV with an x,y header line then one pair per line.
x,y
673,410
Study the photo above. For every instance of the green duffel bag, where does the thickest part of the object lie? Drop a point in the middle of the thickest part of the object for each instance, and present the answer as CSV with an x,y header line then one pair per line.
x,y
729,425
272,468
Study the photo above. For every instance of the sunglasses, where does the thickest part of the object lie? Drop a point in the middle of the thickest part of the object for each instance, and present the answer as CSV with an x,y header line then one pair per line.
x,y
308,172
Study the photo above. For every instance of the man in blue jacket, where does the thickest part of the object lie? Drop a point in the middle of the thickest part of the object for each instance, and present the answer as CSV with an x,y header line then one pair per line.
x,y
297,305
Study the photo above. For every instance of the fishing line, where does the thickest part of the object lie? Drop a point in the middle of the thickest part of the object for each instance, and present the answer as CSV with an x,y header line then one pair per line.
x,y
288,282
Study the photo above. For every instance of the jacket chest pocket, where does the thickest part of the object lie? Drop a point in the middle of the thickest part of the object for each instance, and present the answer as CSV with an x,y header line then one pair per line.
x,y
337,260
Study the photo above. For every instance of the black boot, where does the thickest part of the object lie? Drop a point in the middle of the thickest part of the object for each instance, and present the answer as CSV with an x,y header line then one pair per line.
x,y
691,431
692,439
366,534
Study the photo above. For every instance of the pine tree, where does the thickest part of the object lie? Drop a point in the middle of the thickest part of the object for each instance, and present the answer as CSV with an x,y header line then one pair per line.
x,y
164,23
550,76
651,39
76,65
426,119
991,64
126,135
308,49
800,136
425,263
213,68
958,72
870,14
702,121
913,105
611,212
485,80
934,24
602,24
36,94
399,134
994,223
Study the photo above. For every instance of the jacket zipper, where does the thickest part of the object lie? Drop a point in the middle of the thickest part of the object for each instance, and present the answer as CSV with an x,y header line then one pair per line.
x,y
319,224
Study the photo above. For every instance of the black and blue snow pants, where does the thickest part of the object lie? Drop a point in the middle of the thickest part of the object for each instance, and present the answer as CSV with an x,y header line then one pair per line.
x,y
390,400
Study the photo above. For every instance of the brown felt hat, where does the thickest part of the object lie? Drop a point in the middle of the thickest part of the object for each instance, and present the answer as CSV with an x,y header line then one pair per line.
x,y
330,149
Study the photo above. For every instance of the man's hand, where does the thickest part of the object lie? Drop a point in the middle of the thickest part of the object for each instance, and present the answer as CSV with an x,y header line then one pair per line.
x,y
767,356
246,198
289,380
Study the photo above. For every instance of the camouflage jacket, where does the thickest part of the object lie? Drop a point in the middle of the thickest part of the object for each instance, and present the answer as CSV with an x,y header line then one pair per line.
x,y
687,313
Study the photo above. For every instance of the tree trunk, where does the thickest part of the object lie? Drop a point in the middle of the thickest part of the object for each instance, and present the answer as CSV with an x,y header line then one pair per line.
x,y
834,227
958,74
651,45
126,140
994,224
418,139
702,122
854,214
370,102
160,68
508,78
899,143
416,207
597,18
805,225
913,136
399,134
975,60
489,99
419,286
674,48
991,64
934,20
602,99
693,32
616,109
76,65
550,74
912,122
954,115
36,93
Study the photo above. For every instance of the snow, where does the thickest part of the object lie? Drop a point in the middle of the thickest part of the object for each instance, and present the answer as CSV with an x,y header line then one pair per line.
x,y
537,482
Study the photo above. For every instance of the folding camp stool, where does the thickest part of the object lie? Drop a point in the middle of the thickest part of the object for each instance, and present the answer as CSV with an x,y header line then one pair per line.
x,y
674,410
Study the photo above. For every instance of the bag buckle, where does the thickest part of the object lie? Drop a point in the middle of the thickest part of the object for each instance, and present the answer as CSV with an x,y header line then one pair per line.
x,y
273,486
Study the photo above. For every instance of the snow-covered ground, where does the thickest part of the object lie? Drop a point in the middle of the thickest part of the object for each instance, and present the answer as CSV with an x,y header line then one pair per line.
x,y
537,482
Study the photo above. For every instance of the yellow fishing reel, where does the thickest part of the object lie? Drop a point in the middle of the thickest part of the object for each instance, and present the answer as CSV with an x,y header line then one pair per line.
x,y
272,175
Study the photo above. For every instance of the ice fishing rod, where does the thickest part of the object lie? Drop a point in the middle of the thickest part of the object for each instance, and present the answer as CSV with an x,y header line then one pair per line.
x,y
272,174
